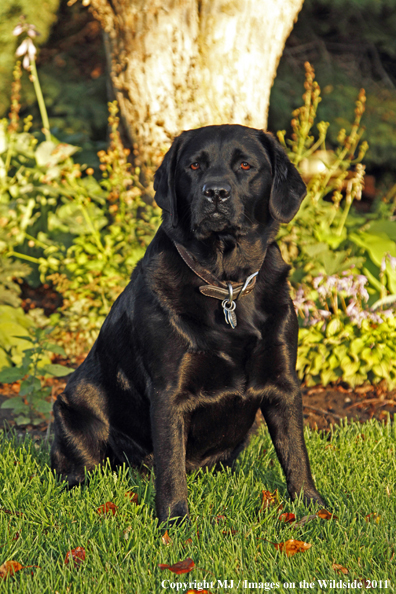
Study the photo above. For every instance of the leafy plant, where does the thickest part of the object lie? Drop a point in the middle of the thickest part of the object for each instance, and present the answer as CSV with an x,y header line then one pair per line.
x,y
82,234
343,263
31,405
320,226
343,339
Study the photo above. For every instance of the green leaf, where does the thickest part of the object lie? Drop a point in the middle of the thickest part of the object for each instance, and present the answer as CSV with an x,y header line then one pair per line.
x,y
383,227
43,407
30,385
373,280
22,420
55,348
333,327
13,374
331,239
357,346
57,370
376,245
16,403
327,376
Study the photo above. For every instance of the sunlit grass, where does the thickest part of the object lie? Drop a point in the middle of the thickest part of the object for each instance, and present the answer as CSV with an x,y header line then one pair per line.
x,y
354,469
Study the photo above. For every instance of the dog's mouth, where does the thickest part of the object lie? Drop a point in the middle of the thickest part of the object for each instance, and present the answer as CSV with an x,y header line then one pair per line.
x,y
216,223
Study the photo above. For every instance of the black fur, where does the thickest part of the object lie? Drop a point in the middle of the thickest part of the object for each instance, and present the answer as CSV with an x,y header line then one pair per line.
x,y
167,379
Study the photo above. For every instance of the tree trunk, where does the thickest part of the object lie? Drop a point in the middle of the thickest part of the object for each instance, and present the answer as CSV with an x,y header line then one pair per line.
x,y
180,64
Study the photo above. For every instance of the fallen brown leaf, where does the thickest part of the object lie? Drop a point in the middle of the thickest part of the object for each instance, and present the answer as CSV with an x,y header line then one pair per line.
x,y
340,568
12,513
165,538
326,515
268,498
291,546
132,496
9,568
228,532
181,567
304,520
77,555
322,513
107,507
287,518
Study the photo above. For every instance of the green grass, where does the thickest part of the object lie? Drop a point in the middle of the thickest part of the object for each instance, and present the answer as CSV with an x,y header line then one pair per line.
x,y
356,475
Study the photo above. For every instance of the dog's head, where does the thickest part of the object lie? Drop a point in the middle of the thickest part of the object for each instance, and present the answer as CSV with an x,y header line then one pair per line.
x,y
226,179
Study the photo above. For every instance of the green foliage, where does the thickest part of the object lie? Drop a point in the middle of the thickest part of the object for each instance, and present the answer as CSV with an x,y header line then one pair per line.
x,y
334,252
320,227
14,327
43,14
82,234
31,405
9,289
345,351
352,44
72,73
86,235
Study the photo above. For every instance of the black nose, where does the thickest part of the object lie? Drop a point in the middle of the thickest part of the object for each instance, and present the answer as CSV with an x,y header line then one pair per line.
x,y
216,191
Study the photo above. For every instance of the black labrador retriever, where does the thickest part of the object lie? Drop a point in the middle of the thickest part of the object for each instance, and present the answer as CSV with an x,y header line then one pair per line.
x,y
204,335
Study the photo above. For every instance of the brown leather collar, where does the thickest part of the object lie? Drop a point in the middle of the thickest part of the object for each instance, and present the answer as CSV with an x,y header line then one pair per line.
x,y
214,287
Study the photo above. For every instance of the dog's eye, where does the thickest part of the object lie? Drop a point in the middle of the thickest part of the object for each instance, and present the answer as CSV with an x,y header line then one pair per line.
x,y
194,166
245,165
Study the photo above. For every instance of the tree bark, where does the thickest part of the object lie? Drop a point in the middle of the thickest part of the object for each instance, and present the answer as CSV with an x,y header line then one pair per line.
x,y
180,64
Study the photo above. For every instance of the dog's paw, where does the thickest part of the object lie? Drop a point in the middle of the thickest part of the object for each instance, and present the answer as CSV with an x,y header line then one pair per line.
x,y
312,496
177,514
309,496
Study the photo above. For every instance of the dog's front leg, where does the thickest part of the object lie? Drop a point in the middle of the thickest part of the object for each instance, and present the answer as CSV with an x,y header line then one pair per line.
x,y
282,410
168,435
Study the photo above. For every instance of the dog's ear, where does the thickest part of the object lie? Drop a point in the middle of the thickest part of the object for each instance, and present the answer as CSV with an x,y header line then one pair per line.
x,y
164,181
288,188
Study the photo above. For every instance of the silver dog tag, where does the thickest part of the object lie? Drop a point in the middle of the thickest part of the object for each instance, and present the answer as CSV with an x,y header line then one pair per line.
x,y
229,313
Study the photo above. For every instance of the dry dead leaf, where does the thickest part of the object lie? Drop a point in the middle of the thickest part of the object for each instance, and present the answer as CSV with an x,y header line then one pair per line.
x,y
77,555
181,567
326,515
165,538
374,516
188,541
198,592
291,546
229,532
322,513
107,507
126,532
287,517
12,513
132,496
268,499
9,568
304,520
340,568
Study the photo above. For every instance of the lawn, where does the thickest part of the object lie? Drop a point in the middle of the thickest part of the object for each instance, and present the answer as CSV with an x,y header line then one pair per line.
x,y
231,537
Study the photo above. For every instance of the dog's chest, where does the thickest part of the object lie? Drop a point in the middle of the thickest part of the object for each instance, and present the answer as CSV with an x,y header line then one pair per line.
x,y
210,375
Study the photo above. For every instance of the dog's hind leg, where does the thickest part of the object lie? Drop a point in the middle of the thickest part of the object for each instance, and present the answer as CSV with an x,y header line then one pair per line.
x,y
81,438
